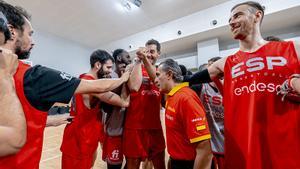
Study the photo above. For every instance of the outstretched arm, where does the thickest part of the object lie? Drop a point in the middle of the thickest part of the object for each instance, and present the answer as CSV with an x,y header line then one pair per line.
x,y
136,77
100,85
12,120
57,120
112,99
213,71
151,70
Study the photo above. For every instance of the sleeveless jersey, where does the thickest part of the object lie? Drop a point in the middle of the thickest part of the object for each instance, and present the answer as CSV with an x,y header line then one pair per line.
x,y
30,154
81,136
261,130
212,101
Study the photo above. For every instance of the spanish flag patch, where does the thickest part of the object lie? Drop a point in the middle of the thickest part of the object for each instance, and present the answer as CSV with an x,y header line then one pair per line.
x,y
202,127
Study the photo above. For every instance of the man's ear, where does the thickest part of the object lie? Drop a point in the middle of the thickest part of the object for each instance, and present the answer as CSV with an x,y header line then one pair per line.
x,y
258,16
13,32
98,65
119,58
169,75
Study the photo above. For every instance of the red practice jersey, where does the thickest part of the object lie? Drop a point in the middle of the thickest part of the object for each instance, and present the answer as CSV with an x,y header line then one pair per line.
x,y
30,154
81,137
261,130
144,109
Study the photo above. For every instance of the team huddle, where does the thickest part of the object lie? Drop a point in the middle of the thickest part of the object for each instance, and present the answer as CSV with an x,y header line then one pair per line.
x,y
236,112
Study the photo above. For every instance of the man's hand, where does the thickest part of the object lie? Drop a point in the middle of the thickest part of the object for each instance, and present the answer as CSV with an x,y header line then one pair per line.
x,y
125,76
8,62
129,68
57,120
142,53
288,89
124,68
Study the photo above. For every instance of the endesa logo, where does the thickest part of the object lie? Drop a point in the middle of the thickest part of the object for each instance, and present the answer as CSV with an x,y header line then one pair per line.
x,y
257,64
254,66
257,87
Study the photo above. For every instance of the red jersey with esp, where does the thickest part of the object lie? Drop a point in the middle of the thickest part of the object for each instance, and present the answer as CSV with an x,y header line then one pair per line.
x,y
81,137
186,123
261,131
144,109
30,154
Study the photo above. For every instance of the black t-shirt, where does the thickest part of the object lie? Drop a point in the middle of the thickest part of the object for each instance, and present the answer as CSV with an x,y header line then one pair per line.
x,y
197,88
44,86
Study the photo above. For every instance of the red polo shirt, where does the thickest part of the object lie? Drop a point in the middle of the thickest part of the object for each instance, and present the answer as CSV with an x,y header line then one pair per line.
x,y
186,122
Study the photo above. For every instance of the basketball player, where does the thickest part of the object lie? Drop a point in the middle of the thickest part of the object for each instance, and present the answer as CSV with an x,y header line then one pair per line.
x,y
261,130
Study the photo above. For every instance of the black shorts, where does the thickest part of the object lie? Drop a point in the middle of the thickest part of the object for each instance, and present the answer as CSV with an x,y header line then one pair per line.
x,y
181,164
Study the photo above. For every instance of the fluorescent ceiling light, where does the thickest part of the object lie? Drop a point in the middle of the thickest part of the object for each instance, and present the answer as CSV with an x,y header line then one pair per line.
x,y
131,4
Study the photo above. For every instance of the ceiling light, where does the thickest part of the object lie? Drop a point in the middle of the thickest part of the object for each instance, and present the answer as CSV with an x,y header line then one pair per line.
x,y
126,5
137,3
131,4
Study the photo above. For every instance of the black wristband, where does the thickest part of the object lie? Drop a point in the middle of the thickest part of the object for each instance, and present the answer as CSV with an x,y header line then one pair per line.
x,y
197,78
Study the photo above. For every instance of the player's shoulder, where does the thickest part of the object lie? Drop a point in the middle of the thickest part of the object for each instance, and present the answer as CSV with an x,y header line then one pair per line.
x,y
86,76
278,44
185,93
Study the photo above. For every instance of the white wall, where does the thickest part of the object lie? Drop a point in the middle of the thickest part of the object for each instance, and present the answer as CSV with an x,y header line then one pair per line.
x,y
188,62
58,53
224,53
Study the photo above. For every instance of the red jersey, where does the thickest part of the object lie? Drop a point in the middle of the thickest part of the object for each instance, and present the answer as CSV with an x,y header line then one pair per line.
x,y
30,154
261,131
81,137
186,122
144,109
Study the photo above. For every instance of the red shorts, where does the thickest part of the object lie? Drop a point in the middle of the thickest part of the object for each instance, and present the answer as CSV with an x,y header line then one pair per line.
x,y
68,162
112,151
143,143
218,161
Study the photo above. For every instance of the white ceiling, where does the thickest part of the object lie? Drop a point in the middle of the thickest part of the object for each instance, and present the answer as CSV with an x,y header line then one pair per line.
x,y
93,23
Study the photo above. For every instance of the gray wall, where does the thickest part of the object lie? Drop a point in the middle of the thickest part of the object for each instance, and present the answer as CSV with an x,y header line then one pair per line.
x,y
58,53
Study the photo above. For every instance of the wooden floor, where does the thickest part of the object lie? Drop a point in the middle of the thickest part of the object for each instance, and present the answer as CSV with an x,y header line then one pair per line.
x,y
51,155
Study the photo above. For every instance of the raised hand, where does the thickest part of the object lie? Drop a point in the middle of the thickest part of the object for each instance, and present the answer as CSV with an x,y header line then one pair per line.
x,y
8,62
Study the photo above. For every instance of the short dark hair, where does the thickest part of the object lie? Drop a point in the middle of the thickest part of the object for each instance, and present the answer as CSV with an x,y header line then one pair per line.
x,y
100,56
15,15
254,5
183,70
172,66
189,72
214,59
154,42
273,38
117,53
202,67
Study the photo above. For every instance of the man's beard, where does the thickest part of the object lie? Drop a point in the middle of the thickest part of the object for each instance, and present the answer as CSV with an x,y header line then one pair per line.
x,y
22,54
101,74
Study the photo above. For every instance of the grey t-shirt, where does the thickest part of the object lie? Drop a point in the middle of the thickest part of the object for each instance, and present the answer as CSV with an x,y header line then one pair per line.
x,y
113,116
212,101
